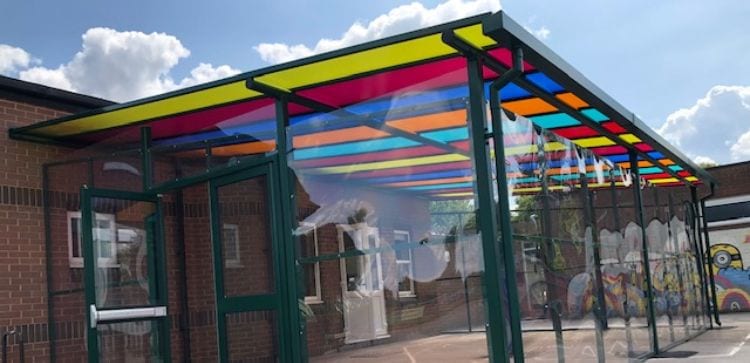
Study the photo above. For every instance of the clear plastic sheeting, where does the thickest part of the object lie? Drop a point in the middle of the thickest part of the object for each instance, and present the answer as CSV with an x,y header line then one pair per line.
x,y
397,254
579,252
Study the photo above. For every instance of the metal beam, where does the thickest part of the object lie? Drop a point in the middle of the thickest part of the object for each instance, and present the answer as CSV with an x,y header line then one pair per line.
x,y
506,227
496,329
340,112
645,259
700,258
710,258
600,309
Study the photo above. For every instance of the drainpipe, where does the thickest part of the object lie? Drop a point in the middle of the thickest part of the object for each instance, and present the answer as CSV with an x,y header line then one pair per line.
x,y
504,205
707,247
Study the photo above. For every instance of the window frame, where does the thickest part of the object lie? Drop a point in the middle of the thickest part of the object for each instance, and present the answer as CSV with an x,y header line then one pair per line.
x,y
235,262
318,297
77,261
412,292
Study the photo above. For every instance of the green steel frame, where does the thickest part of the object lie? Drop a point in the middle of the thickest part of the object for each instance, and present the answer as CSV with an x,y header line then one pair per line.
x,y
156,257
645,257
493,290
499,278
271,301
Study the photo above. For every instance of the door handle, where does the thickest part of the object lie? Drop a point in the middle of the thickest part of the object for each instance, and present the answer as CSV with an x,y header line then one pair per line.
x,y
97,316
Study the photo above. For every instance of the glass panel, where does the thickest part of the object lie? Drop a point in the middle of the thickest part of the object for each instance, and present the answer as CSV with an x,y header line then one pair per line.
x,y
578,251
124,237
401,162
119,172
214,139
246,246
252,337
129,342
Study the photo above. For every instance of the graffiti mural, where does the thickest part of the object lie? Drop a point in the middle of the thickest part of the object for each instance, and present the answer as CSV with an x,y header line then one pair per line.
x,y
673,268
728,247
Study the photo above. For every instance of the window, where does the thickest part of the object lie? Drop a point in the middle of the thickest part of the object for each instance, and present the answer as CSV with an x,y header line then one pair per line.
x,y
309,248
231,239
104,235
404,262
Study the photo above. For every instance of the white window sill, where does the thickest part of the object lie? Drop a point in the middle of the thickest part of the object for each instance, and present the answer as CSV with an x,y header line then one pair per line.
x,y
313,300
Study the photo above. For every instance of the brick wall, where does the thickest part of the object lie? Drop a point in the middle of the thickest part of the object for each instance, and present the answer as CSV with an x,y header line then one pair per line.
x,y
23,285
734,179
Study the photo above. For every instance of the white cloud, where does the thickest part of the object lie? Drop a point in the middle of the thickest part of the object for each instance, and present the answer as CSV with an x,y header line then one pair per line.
x,y
122,66
542,33
741,149
716,127
205,72
704,160
398,20
12,59
48,77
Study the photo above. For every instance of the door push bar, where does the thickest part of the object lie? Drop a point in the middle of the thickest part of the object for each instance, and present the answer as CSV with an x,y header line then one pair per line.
x,y
98,316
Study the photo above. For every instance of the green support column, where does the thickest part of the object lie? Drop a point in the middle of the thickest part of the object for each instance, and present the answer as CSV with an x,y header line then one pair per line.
x,y
700,258
486,215
709,260
626,303
553,304
637,198
506,228
288,250
600,309
51,331
88,274
146,164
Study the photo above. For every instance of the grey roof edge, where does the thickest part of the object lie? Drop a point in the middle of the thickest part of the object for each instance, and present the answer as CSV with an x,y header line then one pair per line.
x,y
50,96
541,56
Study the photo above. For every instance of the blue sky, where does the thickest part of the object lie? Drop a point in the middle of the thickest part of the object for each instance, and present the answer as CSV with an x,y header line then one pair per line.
x,y
682,66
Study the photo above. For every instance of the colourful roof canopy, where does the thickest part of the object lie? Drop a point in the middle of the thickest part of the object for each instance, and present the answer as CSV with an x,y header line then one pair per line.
x,y
393,114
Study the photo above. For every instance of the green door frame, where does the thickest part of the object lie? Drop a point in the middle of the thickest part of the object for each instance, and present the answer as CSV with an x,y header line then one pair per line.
x,y
157,279
271,301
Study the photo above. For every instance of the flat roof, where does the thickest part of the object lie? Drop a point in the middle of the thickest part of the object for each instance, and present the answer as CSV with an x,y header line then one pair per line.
x,y
393,104
48,96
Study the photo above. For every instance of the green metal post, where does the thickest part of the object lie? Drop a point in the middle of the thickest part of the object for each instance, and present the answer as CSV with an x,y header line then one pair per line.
x,y
680,282
51,331
626,303
146,165
553,303
506,228
600,308
89,270
179,235
645,256
289,251
710,260
699,249
162,287
486,215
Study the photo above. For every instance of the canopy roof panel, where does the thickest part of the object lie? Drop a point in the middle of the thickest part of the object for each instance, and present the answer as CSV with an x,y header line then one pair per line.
x,y
392,113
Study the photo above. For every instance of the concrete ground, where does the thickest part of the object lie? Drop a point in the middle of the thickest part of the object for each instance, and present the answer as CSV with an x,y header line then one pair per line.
x,y
730,343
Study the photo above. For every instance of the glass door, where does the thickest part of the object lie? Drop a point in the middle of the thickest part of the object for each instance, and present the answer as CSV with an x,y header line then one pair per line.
x,y
124,272
244,218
